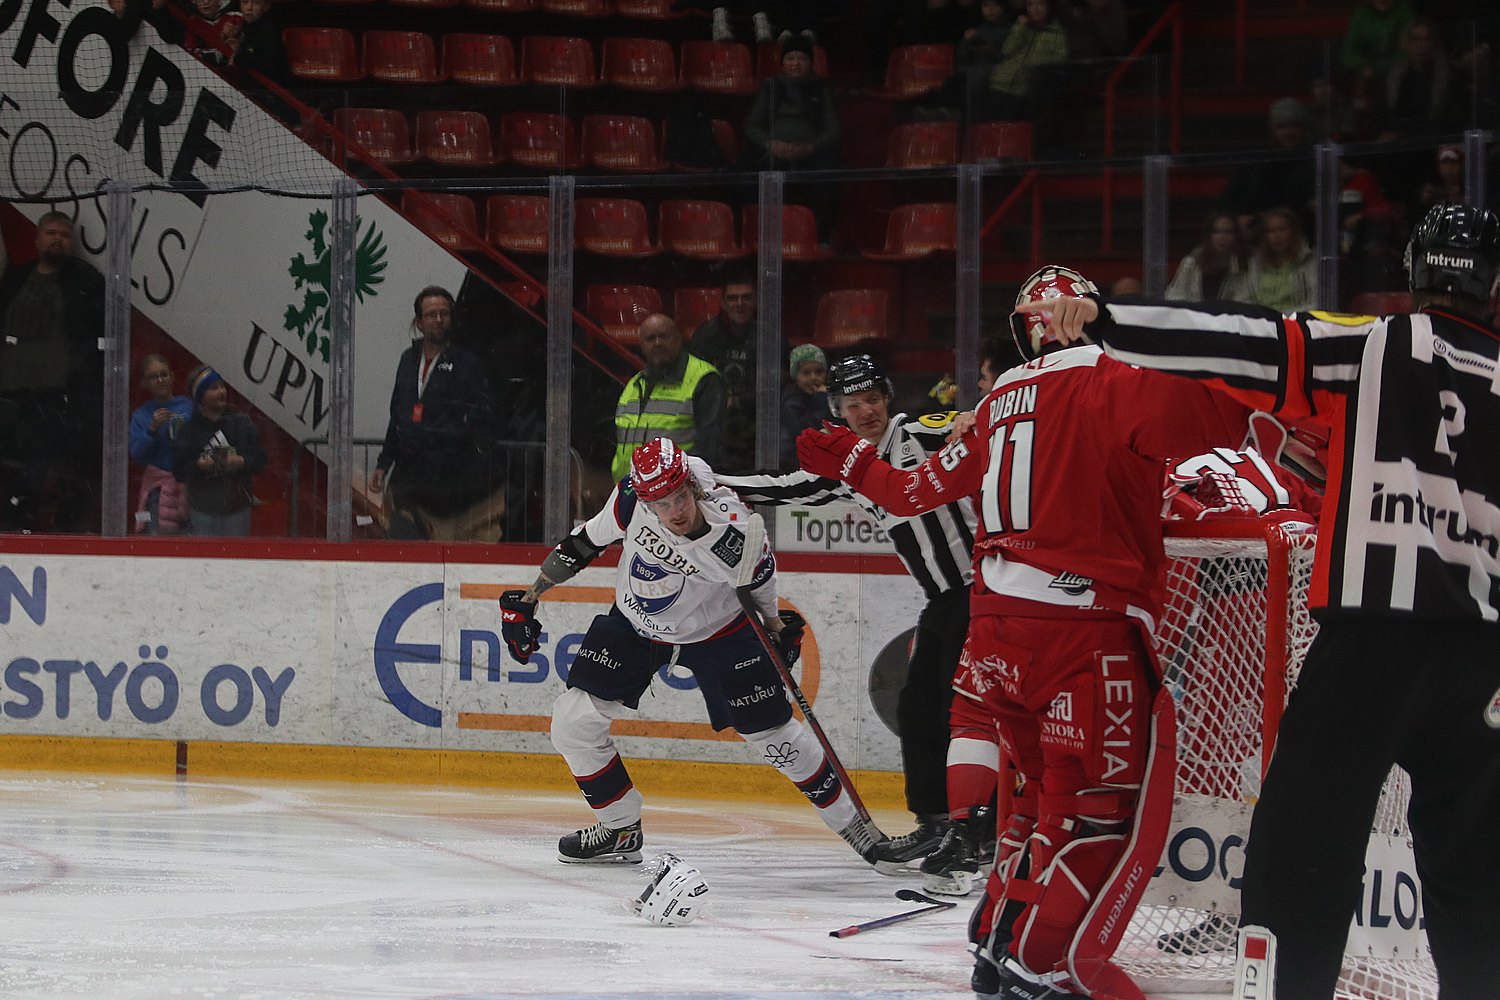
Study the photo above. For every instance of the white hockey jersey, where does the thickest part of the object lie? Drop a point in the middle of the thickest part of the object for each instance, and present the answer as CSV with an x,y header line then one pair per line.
x,y
675,589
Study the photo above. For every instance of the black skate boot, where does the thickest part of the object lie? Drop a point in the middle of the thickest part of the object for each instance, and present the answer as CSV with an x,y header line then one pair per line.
x,y
864,836
598,844
899,855
953,868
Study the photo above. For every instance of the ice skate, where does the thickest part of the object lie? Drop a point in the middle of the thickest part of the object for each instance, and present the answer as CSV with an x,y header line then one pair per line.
x,y
953,868
900,855
1010,981
599,844
864,836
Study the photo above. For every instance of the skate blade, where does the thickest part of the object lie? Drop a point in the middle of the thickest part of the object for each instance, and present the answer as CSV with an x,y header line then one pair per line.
x,y
898,868
951,884
630,858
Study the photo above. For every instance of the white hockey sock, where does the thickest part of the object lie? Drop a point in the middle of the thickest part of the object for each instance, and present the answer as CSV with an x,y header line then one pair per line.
x,y
580,732
793,750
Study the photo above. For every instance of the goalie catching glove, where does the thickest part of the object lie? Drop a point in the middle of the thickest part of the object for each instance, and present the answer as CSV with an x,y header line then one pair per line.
x,y
835,453
518,625
789,639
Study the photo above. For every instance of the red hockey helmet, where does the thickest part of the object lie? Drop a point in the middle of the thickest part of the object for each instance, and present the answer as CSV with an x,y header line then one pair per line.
x,y
1050,282
657,469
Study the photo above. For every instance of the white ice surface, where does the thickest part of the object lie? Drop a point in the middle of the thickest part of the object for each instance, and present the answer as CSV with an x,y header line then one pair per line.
x,y
128,888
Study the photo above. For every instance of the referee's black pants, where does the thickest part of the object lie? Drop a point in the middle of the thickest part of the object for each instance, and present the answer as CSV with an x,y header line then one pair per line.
x,y
923,704
1376,692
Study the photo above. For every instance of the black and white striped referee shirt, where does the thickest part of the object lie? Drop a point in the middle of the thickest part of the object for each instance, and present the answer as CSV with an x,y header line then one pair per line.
x,y
937,547
1411,526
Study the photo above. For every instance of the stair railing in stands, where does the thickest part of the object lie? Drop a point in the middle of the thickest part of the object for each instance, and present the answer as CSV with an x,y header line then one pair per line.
x,y
1031,179
313,124
1171,18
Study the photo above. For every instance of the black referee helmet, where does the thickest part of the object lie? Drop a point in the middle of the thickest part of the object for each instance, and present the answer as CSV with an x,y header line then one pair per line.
x,y
1455,249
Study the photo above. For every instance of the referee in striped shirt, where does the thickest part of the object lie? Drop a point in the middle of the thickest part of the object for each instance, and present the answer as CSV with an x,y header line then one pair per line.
x,y
937,549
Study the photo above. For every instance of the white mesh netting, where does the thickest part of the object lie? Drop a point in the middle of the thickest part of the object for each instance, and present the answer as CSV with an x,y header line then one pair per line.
x,y
1224,601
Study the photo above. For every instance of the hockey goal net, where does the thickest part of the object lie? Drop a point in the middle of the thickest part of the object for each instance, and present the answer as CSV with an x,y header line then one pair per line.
x,y
1232,638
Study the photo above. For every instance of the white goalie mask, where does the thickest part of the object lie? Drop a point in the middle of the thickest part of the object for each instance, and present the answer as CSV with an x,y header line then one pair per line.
x,y
676,895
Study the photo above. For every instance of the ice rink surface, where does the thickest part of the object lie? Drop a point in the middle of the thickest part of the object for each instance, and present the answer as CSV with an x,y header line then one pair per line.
x,y
143,888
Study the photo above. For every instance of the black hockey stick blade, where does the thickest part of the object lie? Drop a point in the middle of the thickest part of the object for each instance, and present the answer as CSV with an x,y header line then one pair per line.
x,y
913,896
895,918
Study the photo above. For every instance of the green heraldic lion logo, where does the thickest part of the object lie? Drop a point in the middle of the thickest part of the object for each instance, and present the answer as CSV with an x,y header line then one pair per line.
x,y
311,322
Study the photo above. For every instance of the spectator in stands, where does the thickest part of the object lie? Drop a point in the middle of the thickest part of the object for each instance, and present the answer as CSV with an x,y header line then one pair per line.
x,y
675,396
51,386
1371,45
161,504
981,45
1447,184
1282,274
1036,40
1331,118
435,464
217,454
804,403
794,122
258,47
728,343
1417,85
1255,187
1202,273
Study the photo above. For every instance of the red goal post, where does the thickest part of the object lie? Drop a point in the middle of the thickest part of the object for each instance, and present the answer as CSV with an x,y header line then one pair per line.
x,y
1232,637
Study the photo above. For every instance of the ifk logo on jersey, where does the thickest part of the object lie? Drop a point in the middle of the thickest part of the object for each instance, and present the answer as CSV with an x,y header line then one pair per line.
x,y
655,587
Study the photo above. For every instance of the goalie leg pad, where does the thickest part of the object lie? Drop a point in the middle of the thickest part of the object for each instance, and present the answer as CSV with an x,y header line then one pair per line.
x,y
580,733
793,750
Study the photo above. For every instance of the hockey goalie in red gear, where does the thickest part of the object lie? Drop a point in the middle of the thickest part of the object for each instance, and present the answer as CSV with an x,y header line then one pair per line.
x,y
1066,460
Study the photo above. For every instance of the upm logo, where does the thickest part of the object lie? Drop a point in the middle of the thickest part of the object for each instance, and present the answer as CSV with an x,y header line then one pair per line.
x,y
33,601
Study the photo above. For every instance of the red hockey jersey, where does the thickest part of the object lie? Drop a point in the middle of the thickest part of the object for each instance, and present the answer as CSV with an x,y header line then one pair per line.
x,y
1066,460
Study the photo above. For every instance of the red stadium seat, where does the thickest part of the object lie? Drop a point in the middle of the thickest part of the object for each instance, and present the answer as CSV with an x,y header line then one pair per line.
x,y
768,61
692,307
648,10
799,232
512,6
619,309
427,3
1381,303
718,67
518,223
557,61
486,60
455,138
382,132
998,141
700,229
542,141
916,231
639,64
579,8
626,143
448,218
325,54
914,70
401,57
613,227
923,144
847,316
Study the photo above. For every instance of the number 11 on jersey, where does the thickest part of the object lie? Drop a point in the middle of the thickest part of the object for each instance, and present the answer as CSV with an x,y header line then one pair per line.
x,y
1008,478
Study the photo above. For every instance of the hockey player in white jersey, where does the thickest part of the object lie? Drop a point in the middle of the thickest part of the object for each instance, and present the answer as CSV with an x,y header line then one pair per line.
x,y
683,541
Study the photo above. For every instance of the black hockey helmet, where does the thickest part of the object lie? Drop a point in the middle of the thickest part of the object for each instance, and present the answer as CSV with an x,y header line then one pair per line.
x,y
856,373
1455,249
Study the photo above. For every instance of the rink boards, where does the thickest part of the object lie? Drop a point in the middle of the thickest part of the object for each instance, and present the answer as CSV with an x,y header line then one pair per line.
x,y
380,662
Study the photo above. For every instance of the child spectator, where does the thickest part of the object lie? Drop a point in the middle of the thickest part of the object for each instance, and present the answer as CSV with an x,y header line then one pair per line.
x,y
804,403
1282,274
1203,272
216,455
257,46
214,28
161,505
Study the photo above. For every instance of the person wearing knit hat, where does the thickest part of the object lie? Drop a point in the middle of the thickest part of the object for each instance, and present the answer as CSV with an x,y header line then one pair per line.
x,y
217,454
794,123
804,403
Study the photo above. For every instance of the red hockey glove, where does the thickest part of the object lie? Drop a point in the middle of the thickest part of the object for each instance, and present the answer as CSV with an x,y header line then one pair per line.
x,y
518,625
789,639
835,453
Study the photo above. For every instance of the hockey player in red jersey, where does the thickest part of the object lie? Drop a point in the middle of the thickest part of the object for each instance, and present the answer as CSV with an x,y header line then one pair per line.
x,y
683,542
1066,460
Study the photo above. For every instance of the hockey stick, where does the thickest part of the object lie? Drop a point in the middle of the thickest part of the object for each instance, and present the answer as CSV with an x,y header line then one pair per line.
x,y
755,536
911,895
